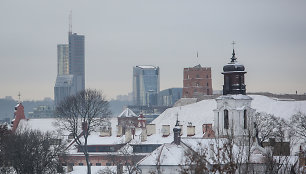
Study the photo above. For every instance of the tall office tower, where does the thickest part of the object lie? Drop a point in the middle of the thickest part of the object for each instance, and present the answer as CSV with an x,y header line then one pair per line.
x,y
62,59
145,85
197,81
64,87
70,68
77,59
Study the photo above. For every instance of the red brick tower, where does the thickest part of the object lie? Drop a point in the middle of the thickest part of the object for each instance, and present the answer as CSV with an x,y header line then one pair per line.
x,y
18,115
197,81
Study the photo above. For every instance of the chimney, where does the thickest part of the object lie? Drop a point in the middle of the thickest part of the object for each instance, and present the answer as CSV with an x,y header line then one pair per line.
x,y
165,130
151,129
128,135
190,130
143,134
119,130
177,132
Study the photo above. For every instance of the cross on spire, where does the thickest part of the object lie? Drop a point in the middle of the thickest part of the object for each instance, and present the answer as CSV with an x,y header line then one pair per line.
x,y
233,44
19,97
233,57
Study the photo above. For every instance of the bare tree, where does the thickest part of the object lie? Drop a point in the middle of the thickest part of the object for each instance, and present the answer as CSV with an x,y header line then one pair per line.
x,y
129,159
29,151
196,160
126,158
227,154
298,124
80,114
278,159
266,124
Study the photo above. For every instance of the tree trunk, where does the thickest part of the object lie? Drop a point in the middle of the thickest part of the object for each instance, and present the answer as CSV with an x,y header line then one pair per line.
x,y
88,163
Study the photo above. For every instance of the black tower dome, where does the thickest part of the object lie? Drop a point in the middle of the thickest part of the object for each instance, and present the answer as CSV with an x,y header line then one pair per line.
x,y
233,77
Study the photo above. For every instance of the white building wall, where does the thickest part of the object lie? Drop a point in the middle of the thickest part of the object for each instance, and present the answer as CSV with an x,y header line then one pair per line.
x,y
235,104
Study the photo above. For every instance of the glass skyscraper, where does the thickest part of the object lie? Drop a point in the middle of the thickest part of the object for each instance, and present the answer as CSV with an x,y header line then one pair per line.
x,y
145,85
77,59
62,59
70,67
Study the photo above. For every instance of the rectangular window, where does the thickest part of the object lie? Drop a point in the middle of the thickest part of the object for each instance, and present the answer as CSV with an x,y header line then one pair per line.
x,y
81,164
98,164
245,119
226,122
108,164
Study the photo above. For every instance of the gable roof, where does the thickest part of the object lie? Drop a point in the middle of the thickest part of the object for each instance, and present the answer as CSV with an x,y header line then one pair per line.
x,y
127,113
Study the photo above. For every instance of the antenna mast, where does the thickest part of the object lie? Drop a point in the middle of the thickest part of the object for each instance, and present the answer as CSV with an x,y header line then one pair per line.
x,y
70,22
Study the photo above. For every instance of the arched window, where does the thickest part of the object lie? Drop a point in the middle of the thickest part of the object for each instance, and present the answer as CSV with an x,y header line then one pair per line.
x,y
226,119
245,119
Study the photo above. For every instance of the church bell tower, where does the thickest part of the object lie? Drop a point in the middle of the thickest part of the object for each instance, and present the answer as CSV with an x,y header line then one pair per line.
x,y
233,77
234,115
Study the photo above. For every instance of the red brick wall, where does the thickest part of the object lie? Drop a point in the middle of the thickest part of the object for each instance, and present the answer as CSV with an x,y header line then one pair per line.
x,y
103,159
197,82
19,114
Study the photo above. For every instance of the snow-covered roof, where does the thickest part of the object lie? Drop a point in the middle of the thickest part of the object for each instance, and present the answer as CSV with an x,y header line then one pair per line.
x,y
235,97
202,113
197,114
185,101
127,113
41,124
166,154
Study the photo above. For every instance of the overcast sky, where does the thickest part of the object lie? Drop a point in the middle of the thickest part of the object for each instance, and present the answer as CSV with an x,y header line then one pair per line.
x,y
270,36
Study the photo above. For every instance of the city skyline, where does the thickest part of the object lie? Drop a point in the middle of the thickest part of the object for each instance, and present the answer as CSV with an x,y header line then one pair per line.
x,y
270,38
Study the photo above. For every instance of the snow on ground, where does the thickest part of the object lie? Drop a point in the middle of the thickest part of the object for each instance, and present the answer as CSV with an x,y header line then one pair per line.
x,y
279,108
94,169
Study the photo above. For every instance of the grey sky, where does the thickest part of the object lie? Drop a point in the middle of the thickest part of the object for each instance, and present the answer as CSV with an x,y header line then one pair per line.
x,y
270,36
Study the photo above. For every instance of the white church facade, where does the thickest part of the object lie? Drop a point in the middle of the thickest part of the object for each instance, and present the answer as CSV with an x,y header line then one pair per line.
x,y
234,115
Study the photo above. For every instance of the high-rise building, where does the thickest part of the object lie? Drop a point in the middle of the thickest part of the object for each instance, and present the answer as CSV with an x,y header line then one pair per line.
x,y
62,59
77,59
197,82
70,67
64,87
145,85
168,97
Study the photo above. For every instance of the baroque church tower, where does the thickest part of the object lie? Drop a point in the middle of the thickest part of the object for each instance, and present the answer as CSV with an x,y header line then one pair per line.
x,y
234,115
